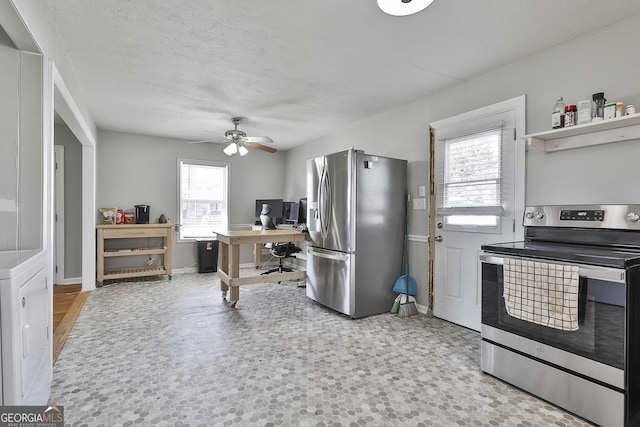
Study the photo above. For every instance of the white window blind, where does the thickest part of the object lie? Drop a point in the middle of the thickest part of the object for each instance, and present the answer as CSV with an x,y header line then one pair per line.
x,y
203,201
471,174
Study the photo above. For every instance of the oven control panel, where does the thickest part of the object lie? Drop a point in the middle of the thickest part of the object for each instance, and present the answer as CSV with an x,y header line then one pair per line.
x,y
621,217
581,215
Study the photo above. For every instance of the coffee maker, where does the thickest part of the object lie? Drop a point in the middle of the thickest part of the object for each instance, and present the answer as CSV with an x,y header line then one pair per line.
x,y
142,214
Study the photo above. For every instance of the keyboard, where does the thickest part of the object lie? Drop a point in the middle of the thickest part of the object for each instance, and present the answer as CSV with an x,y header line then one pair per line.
x,y
287,226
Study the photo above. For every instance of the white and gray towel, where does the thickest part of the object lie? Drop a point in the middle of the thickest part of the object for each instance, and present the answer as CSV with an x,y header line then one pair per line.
x,y
542,293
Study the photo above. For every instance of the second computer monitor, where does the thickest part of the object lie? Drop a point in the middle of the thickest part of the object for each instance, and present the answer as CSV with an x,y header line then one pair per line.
x,y
291,214
302,211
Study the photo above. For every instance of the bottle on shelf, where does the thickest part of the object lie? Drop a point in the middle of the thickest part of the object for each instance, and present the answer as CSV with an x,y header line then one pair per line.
x,y
598,102
557,115
570,116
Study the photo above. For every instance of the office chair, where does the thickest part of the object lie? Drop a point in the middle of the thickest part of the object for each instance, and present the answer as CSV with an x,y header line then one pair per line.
x,y
279,250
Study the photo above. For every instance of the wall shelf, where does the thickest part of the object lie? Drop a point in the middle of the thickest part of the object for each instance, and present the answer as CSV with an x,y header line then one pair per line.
x,y
595,133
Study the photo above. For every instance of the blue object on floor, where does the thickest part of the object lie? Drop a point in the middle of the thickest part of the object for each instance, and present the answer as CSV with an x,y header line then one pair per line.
x,y
406,284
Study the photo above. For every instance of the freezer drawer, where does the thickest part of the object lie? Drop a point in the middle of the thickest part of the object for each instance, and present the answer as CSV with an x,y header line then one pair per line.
x,y
330,279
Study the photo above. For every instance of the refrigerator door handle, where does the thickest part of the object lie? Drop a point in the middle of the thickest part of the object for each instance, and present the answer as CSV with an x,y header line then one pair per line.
x,y
324,201
322,253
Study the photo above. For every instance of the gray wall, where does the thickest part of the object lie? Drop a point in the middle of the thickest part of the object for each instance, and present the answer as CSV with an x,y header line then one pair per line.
x,y
601,61
10,145
137,169
21,158
72,200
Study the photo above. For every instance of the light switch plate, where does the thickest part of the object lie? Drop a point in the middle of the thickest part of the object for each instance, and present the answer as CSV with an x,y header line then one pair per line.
x,y
419,203
422,191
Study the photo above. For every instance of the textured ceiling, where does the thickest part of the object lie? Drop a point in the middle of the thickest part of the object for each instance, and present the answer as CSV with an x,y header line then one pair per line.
x,y
296,69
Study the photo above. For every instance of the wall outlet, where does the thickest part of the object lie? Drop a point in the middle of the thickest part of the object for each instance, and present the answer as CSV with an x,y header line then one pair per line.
x,y
419,203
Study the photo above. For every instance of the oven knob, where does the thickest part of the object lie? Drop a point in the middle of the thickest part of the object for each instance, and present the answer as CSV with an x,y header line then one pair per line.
x,y
529,215
633,217
539,215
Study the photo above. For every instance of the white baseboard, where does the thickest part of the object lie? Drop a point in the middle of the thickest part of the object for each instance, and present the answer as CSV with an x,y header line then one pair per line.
x,y
71,281
184,270
422,309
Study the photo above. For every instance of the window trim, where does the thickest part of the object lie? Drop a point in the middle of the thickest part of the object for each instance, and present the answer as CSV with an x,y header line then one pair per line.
x,y
215,163
476,121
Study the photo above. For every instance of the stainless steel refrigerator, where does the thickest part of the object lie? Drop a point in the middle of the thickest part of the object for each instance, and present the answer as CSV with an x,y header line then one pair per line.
x,y
355,214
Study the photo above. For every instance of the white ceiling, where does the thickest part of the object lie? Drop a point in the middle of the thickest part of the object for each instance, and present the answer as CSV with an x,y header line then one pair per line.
x,y
296,69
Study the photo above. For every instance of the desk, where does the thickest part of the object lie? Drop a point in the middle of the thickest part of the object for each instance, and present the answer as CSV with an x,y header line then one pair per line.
x,y
259,249
229,266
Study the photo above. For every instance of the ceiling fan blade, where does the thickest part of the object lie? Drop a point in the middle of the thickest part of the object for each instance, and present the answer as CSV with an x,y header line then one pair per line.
x,y
260,147
259,139
216,140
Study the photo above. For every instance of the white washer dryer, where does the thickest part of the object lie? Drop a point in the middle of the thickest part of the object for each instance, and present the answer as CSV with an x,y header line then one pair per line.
x,y
25,328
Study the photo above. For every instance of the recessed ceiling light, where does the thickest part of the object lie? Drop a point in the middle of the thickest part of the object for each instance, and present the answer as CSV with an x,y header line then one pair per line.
x,y
403,7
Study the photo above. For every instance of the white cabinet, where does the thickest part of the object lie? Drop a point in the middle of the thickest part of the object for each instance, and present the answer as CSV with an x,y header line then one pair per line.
x,y
595,133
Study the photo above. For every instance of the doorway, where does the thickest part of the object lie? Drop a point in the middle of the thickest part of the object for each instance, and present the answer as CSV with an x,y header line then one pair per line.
x,y
478,185
66,111
58,213
68,205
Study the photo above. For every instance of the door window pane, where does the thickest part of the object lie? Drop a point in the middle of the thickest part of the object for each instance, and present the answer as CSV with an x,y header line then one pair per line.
x,y
472,171
472,220
470,180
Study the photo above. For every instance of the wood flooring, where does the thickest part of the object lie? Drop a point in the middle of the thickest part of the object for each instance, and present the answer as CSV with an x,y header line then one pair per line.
x,y
67,303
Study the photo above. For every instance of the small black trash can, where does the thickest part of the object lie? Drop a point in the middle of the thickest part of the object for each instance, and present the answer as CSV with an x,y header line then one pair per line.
x,y
207,256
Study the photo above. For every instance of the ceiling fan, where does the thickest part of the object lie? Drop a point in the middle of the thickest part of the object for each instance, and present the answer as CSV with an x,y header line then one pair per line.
x,y
239,141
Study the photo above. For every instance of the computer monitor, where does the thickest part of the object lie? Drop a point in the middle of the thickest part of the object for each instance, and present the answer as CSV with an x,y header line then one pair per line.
x,y
291,213
302,211
276,208
286,207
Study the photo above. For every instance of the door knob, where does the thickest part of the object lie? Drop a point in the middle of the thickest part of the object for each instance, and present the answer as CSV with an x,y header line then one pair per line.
x,y
439,225
438,239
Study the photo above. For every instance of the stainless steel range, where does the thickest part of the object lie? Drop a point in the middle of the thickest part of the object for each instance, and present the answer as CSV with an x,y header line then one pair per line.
x,y
561,310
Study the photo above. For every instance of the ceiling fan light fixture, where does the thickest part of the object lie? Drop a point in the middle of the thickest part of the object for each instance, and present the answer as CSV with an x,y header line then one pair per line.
x,y
242,150
230,149
403,7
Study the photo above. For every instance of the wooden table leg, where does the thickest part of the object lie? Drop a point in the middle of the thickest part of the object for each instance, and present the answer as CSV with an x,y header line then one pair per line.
x,y
257,251
224,266
234,273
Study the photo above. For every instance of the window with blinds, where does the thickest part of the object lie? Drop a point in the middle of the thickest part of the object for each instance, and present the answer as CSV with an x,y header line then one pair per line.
x,y
471,180
203,198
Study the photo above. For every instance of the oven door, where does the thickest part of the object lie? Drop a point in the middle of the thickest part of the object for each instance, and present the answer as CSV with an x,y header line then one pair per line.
x,y
595,350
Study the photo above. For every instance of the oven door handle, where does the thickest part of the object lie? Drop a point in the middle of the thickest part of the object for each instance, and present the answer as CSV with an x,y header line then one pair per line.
x,y
607,274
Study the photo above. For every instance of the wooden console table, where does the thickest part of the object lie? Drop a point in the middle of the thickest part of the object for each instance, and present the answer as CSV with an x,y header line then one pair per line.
x,y
133,231
229,267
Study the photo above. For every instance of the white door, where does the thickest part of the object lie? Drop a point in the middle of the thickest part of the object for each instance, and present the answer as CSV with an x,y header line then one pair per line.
x,y
479,186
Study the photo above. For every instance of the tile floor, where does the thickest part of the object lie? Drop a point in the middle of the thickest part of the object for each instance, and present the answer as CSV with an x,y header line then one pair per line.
x,y
172,353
